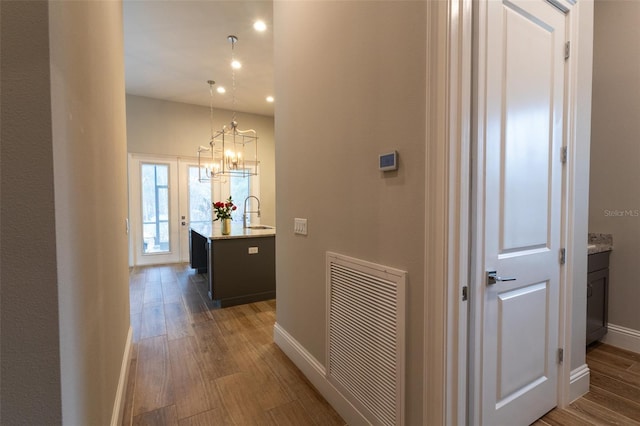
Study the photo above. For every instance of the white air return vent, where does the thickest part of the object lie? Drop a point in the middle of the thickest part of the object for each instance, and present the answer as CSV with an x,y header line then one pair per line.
x,y
366,336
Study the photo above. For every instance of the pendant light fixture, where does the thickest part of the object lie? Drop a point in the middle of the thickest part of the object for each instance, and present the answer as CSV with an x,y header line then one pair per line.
x,y
231,151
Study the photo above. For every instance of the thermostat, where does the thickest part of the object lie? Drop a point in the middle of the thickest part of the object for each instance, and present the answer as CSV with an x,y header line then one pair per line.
x,y
388,161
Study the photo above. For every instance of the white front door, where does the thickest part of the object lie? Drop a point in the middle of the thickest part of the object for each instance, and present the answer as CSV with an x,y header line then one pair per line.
x,y
521,73
153,203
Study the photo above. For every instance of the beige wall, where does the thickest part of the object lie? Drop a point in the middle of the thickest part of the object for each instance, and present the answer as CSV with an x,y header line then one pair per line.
x,y
615,151
345,96
90,175
170,128
65,299
29,356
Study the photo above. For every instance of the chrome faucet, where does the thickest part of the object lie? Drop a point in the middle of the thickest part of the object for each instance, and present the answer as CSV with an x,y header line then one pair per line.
x,y
246,213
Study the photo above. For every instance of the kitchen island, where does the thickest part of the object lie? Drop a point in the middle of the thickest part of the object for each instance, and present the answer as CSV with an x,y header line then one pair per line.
x,y
240,267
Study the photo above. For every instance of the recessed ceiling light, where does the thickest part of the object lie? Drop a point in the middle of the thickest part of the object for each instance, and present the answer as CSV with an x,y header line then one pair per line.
x,y
236,65
221,89
259,26
269,98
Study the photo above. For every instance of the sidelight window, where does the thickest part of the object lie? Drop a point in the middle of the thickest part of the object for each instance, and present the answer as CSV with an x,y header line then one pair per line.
x,y
155,208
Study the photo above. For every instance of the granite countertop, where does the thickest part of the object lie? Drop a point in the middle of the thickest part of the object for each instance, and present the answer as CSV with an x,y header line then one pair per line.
x,y
213,231
599,243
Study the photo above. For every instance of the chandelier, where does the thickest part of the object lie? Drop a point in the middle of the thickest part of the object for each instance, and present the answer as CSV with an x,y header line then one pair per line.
x,y
230,151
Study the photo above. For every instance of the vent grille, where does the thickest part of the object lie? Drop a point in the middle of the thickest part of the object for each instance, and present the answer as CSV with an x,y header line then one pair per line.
x,y
366,312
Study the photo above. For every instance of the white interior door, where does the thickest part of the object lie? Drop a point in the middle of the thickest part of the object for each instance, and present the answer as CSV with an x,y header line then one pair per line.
x,y
153,201
521,68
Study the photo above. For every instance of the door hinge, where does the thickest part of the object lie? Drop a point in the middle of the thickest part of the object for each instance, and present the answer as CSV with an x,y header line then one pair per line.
x,y
563,155
465,293
567,50
563,256
560,355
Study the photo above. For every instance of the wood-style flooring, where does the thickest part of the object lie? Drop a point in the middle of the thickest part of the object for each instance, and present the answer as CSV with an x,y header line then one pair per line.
x,y
614,393
193,364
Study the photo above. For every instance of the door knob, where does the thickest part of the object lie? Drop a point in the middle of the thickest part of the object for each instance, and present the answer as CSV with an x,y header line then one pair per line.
x,y
492,278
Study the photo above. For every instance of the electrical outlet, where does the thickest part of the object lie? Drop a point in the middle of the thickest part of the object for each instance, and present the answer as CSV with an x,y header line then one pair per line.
x,y
253,250
300,226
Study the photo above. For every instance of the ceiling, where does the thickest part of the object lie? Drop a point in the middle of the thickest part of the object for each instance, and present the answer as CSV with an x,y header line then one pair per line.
x,y
173,47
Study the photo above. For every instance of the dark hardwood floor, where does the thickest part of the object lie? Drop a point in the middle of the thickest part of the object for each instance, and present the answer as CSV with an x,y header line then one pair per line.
x,y
194,364
614,393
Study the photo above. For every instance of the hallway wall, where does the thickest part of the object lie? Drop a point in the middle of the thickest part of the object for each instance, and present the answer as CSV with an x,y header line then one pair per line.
x,y
344,97
29,351
614,204
64,295
90,184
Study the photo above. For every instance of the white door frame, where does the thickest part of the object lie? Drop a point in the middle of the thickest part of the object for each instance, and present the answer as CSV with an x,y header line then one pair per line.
x,y
449,264
447,216
135,196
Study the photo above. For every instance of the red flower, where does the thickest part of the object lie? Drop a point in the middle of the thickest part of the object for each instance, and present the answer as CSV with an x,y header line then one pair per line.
x,y
223,209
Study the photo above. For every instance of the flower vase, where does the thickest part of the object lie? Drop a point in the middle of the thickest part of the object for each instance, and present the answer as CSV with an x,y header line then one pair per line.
x,y
226,226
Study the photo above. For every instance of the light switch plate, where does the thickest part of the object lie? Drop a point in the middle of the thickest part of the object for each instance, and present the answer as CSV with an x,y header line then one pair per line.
x,y
300,226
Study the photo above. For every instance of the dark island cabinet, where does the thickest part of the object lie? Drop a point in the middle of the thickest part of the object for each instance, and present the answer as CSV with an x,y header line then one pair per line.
x,y
597,296
242,270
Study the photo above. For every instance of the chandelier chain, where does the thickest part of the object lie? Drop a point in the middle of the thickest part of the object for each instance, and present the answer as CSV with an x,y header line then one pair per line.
x,y
233,78
211,83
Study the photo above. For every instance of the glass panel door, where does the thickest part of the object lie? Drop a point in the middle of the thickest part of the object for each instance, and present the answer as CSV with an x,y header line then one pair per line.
x,y
153,203
195,202
199,197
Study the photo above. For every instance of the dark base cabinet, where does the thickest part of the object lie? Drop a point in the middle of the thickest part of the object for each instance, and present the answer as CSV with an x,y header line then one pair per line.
x,y
242,270
597,296
198,251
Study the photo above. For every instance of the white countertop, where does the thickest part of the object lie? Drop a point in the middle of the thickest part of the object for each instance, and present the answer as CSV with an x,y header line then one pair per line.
x,y
213,231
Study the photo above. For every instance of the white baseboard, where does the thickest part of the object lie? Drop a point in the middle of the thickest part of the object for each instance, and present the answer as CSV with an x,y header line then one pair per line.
x,y
622,337
118,405
578,382
316,373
